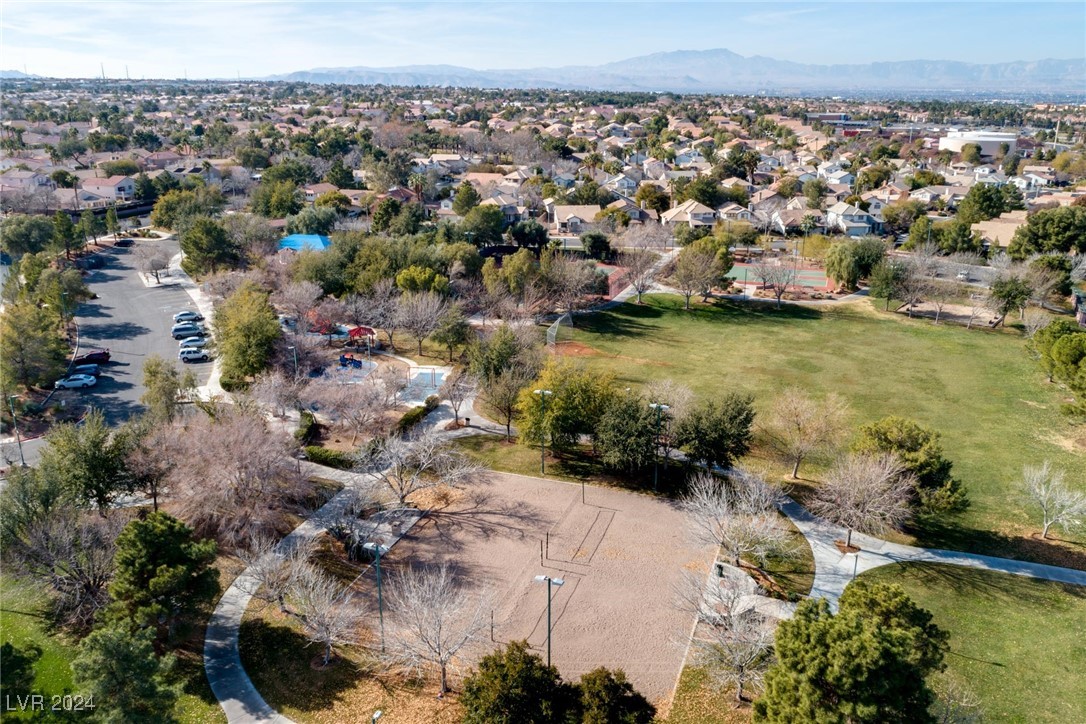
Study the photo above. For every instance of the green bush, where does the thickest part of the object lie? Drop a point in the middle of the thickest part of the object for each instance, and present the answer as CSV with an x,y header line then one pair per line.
x,y
308,428
414,416
332,458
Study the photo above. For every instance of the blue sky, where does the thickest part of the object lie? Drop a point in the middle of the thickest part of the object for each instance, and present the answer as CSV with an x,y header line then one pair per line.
x,y
220,38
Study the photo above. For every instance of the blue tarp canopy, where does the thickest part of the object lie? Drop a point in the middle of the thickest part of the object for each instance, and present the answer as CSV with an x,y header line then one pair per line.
x,y
302,242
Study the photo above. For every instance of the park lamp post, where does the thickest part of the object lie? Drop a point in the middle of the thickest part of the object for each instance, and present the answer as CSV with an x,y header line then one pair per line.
x,y
15,427
378,549
543,394
660,409
294,349
550,582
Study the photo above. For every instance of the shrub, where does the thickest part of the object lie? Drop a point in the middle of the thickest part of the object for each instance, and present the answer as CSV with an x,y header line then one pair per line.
x,y
308,428
332,458
414,416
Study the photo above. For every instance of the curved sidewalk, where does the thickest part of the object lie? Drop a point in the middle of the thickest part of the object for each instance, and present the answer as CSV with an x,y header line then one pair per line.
x,y
835,570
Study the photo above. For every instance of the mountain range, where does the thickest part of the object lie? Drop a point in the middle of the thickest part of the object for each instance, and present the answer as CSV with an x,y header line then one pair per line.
x,y
722,71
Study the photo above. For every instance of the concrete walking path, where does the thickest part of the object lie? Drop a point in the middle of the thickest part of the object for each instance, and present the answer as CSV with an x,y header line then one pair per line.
x,y
835,570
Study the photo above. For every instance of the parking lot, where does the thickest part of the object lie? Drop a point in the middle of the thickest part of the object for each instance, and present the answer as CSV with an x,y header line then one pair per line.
x,y
133,322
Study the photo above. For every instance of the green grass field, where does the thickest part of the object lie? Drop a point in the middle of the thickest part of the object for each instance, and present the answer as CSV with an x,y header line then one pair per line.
x,y
48,654
1017,643
978,388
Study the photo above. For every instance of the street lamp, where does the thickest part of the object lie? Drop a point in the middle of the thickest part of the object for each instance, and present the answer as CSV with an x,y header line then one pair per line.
x,y
377,549
550,582
15,426
294,349
376,715
660,409
543,394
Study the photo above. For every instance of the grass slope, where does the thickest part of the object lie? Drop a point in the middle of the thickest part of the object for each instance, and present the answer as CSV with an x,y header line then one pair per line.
x,y
1018,643
979,388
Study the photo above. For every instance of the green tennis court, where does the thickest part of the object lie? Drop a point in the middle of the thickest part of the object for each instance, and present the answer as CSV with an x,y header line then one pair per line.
x,y
811,278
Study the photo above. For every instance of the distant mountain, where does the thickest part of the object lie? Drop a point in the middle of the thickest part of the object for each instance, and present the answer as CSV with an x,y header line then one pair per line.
x,y
722,71
16,74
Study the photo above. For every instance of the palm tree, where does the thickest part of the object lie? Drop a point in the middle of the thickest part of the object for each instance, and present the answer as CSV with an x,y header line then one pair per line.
x,y
417,182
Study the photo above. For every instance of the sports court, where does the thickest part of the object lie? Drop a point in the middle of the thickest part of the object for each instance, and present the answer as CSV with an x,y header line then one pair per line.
x,y
620,554
809,278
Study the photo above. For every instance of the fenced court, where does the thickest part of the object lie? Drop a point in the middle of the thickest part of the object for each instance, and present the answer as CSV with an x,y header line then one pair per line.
x,y
621,556
807,277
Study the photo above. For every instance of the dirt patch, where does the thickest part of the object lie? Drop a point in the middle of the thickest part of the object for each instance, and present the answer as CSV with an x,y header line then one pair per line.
x,y
618,554
574,349
844,548
952,314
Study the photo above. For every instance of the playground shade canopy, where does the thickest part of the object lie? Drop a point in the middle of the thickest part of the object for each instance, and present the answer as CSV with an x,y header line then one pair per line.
x,y
303,242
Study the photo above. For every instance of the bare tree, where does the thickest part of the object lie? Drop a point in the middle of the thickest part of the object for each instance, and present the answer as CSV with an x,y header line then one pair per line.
x,y
1060,506
502,393
150,459
868,493
457,388
940,295
1043,281
739,515
979,302
233,476
645,236
956,704
1078,268
382,309
678,398
420,315
776,273
433,620
731,639
329,614
800,426
695,272
357,405
297,300
277,391
568,281
152,260
420,462
67,551
916,284
1034,320
275,566
640,268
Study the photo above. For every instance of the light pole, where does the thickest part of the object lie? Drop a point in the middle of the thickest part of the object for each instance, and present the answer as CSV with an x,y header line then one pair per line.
x,y
15,426
294,349
376,548
543,394
660,409
555,582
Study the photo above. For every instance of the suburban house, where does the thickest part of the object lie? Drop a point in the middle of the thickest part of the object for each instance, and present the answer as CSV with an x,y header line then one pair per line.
x,y
114,188
162,159
790,221
637,213
315,191
29,180
689,212
510,208
572,219
849,220
1000,230
734,212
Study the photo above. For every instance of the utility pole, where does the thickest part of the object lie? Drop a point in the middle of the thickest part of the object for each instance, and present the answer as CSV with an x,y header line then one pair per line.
x,y
550,582
15,426
543,394
660,409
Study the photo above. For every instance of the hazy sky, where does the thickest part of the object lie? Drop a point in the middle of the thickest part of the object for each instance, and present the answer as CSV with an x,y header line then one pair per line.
x,y
220,38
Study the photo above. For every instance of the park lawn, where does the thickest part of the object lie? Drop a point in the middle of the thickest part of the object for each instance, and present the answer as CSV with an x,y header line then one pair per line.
x,y
1018,644
24,623
979,388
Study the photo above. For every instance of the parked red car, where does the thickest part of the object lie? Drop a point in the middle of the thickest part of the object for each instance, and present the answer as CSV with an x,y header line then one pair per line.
x,y
96,356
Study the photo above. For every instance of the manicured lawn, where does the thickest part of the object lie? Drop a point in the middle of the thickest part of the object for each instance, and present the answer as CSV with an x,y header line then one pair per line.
x,y
1017,643
24,624
979,388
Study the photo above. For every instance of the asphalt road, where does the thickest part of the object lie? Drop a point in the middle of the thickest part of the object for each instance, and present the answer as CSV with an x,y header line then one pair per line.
x,y
133,322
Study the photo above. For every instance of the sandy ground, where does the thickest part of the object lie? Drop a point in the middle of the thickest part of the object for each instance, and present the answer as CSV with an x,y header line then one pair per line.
x,y
621,555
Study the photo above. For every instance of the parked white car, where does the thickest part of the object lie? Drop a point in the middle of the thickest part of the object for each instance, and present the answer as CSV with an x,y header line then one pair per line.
x,y
193,342
76,382
192,354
